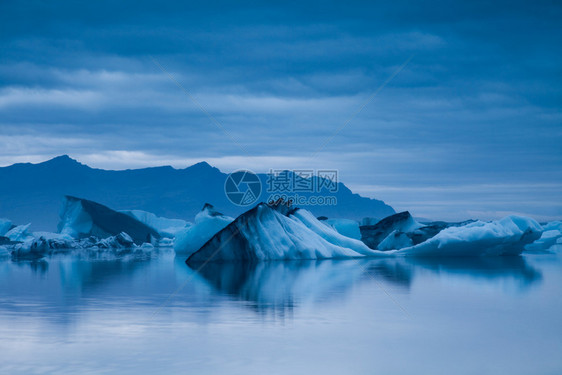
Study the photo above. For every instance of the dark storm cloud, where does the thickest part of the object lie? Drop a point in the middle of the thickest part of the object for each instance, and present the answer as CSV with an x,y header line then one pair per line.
x,y
477,106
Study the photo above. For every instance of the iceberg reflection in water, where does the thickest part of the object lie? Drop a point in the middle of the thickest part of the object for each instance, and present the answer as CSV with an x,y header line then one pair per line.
x,y
131,315
281,284
266,285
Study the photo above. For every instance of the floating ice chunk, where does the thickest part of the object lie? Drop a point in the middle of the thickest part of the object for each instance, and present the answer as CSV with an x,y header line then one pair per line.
x,y
52,236
507,236
164,226
553,225
207,222
373,235
5,226
395,240
345,227
548,239
121,241
82,218
40,244
19,233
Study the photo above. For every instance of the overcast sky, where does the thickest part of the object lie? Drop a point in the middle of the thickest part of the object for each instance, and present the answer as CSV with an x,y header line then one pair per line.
x,y
470,127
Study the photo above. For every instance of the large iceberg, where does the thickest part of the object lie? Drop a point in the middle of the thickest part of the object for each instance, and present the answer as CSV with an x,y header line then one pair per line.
x,y
80,218
278,232
165,227
207,222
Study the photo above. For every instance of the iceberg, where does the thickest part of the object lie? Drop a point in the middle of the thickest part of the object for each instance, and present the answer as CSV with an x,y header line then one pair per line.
x,y
89,228
167,228
42,244
81,218
19,233
23,244
507,236
346,227
5,226
551,237
121,241
402,230
207,222
395,240
429,230
48,240
553,225
39,244
278,232
19,243
373,235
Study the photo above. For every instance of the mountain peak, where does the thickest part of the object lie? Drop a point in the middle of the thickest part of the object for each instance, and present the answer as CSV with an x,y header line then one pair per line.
x,y
201,166
62,160
61,164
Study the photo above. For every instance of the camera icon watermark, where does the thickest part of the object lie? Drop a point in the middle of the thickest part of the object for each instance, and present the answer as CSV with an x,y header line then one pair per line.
x,y
243,187
302,187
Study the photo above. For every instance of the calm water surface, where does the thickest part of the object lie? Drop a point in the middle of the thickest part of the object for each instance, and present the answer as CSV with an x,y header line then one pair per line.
x,y
391,316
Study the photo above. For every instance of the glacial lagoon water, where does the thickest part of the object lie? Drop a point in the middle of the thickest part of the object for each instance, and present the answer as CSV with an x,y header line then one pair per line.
x,y
493,315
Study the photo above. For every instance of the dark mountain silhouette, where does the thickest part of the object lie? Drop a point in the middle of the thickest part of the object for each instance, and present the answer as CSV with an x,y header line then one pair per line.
x,y
34,192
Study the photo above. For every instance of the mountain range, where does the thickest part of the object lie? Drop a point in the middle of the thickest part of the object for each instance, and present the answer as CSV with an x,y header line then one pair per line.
x,y
34,192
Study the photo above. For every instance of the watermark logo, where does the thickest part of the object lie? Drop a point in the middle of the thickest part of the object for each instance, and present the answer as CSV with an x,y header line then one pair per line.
x,y
242,187
301,187
302,181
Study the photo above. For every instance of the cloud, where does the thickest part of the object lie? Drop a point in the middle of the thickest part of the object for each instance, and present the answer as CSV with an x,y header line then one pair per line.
x,y
477,106
28,97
